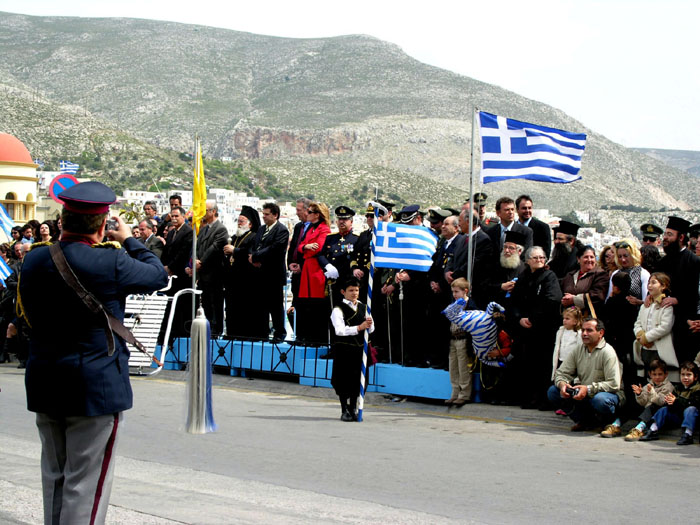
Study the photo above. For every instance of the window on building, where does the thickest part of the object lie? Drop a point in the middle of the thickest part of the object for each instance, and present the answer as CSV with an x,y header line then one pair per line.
x,y
10,203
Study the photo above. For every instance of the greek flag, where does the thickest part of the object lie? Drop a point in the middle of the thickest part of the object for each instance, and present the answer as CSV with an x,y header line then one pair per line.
x,y
6,223
511,149
403,246
69,167
5,271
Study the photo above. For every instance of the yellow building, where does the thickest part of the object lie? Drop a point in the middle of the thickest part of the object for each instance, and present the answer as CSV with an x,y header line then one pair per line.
x,y
18,180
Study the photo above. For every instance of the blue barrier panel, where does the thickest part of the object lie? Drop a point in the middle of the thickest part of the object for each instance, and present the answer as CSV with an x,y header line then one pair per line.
x,y
416,382
178,356
304,361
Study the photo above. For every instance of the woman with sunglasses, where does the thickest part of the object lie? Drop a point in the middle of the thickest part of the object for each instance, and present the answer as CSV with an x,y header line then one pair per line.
x,y
628,259
312,306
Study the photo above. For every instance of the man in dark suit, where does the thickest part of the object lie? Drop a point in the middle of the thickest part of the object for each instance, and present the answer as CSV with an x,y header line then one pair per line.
x,y
482,254
295,260
77,378
541,233
505,209
440,292
211,240
147,232
176,258
268,255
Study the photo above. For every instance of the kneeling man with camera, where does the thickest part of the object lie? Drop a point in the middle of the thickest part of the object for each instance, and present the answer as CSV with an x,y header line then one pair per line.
x,y
598,398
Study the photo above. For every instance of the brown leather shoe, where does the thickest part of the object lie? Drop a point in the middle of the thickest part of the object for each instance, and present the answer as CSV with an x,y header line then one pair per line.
x,y
461,402
611,431
579,427
448,402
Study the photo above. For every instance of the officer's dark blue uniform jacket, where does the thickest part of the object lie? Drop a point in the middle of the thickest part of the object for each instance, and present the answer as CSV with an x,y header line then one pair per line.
x,y
68,371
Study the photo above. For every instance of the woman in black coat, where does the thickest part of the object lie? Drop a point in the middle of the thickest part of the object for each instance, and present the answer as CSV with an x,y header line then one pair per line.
x,y
536,300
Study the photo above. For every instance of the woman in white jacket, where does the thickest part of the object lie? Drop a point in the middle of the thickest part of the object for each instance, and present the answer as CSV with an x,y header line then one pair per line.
x,y
653,330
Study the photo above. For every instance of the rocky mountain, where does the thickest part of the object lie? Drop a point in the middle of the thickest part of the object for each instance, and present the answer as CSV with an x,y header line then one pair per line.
x,y
312,113
681,159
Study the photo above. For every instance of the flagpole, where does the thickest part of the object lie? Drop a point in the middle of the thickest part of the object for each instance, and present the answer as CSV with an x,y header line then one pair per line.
x,y
194,228
370,282
470,251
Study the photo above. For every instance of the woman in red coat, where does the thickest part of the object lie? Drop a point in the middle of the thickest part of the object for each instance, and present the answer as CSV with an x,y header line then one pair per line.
x,y
313,309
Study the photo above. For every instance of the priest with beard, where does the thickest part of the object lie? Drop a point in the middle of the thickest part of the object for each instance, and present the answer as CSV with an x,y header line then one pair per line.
x,y
683,267
510,266
566,245
239,278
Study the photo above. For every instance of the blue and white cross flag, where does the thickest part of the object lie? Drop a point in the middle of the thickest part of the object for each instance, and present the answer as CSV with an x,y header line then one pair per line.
x,y
403,246
6,223
511,149
69,167
5,271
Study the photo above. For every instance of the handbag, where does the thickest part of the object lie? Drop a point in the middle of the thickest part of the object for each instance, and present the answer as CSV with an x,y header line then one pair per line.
x,y
590,306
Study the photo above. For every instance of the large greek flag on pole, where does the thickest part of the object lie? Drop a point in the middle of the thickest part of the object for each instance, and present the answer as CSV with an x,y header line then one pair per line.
x,y
68,167
403,246
511,149
6,223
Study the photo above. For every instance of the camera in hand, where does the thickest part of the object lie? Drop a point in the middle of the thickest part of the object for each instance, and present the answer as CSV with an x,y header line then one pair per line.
x,y
573,392
112,225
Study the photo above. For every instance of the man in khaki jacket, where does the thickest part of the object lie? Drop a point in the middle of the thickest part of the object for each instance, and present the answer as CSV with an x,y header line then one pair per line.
x,y
599,396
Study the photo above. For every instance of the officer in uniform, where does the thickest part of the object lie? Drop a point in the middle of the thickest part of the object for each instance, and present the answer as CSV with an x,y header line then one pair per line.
x,y
435,218
77,378
410,311
651,234
337,252
480,205
390,209
362,253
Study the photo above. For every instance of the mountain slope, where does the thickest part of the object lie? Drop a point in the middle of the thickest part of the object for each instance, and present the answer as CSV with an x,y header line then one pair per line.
x,y
355,101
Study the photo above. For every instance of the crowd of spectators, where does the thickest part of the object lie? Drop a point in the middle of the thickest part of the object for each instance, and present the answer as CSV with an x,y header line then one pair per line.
x,y
582,331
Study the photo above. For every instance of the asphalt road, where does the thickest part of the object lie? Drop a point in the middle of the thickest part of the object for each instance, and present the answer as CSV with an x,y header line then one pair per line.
x,y
281,455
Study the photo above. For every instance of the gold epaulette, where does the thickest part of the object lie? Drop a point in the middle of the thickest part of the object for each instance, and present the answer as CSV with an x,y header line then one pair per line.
x,y
37,244
109,244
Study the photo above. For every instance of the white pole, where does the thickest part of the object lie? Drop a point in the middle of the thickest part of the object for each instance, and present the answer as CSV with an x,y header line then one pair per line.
x,y
194,230
470,251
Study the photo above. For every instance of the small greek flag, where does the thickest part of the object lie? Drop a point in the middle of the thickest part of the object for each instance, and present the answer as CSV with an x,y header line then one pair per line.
x,y
5,271
69,167
517,150
6,223
403,246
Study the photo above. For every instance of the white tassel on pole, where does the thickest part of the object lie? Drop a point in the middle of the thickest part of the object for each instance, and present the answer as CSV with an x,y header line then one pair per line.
x,y
200,417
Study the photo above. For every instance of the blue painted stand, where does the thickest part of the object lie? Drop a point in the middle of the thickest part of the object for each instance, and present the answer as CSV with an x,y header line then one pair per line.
x,y
304,362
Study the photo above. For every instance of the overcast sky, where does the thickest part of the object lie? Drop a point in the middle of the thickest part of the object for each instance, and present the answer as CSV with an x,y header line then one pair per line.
x,y
624,68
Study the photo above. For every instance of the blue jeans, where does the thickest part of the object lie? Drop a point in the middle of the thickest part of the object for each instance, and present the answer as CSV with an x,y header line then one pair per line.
x,y
664,415
602,406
